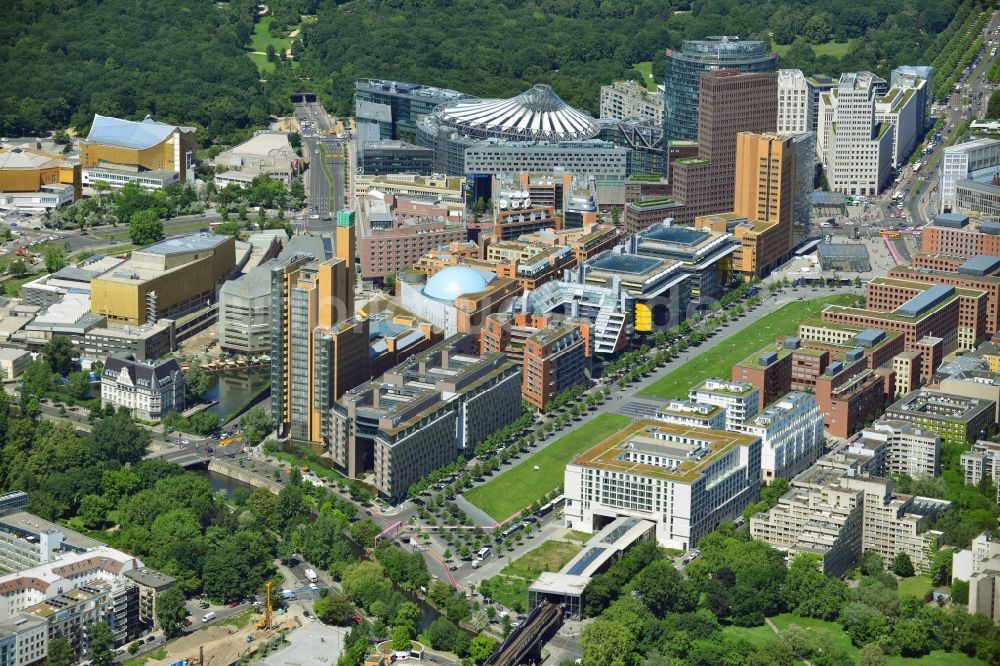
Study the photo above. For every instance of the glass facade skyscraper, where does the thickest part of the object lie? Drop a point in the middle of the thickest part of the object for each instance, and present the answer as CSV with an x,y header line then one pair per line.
x,y
684,71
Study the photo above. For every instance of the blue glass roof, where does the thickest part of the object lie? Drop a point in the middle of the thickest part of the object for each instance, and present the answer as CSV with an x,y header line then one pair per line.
x,y
453,281
585,561
128,133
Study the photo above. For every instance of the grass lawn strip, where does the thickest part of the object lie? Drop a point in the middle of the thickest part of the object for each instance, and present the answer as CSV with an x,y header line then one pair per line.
x,y
646,69
722,355
915,586
520,486
549,556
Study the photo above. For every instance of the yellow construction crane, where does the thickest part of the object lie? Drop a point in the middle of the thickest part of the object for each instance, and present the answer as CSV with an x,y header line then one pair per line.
x,y
265,622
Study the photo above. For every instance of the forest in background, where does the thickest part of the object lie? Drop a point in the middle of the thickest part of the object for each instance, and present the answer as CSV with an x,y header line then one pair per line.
x,y
187,61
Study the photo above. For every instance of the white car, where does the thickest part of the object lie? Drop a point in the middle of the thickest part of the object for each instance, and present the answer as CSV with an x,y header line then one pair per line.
x,y
313,586
186,442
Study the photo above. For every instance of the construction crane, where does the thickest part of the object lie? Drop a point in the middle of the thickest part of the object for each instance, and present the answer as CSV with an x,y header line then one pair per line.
x,y
265,622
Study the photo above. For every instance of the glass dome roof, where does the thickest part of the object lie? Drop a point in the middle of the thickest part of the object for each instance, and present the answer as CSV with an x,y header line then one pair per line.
x,y
453,281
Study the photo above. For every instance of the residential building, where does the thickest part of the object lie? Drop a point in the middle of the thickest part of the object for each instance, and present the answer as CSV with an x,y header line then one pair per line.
x,y
244,313
609,309
741,400
150,583
13,362
684,479
791,435
851,396
410,185
903,107
148,390
640,186
730,102
686,68
395,231
318,347
267,153
855,146
553,351
909,449
148,152
769,370
975,274
31,639
837,511
34,181
959,420
906,367
982,460
423,413
910,76
794,103
170,279
646,213
624,100
972,160
693,414
532,264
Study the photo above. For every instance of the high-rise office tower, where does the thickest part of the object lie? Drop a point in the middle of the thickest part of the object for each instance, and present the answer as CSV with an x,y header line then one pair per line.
x,y
686,67
731,102
319,349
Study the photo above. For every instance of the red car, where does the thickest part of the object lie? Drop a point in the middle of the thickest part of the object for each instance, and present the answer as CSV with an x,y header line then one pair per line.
x,y
187,622
233,604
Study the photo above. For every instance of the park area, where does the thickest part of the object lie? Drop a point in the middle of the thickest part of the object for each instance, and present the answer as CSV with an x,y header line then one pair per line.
x,y
510,586
523,485
821,630
830,48
722,355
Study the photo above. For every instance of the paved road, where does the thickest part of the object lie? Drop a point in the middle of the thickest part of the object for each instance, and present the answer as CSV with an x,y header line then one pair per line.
x,y
324,197
623,402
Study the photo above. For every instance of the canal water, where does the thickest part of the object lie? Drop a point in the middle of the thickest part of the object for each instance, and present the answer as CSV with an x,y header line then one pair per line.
x,y
234,389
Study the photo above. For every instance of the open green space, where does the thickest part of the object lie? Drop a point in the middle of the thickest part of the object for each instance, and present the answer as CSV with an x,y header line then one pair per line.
x,y
520,486
831,48
755,636
935,658
723,355
915,586
550,556
508,591
261,38
838,637
646,69
573,535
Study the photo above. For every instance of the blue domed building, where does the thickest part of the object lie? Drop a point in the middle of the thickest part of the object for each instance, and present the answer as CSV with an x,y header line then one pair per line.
x,y
457,298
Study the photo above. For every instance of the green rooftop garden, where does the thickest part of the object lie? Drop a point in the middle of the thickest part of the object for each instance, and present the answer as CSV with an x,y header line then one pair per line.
x,y
692,161
644,178
650,203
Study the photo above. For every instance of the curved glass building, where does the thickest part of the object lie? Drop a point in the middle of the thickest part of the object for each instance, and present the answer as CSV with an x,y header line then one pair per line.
x,y
684,70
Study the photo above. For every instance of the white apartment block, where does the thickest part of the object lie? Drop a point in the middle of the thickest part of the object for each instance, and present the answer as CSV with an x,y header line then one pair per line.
x,y
964,161
980,567
631,100
684,479
791,435
739,399
819,515
31,639
794,102
147,390
983,459
855,147
685,412
909,449
903,108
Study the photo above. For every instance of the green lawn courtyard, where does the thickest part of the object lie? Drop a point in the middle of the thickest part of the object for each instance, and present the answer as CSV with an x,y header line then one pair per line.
x,y
721,355
758,636
510,586
646,69
520,486
831,48
915,586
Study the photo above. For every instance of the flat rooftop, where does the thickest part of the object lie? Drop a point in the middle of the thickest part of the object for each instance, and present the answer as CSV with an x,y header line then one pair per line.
x,y
938,405
29,523
691,449
678,235
193,243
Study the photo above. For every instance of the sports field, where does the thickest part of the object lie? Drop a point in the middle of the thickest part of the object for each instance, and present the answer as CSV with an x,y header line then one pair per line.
x,y
519,487
720,357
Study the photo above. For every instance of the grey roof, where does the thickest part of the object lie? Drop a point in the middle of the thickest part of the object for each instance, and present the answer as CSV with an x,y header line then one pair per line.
x,y
256,282
677,235
952,220
145,375
150,578
981,265
869,337
990,227
827,198
76,274
925,300
184,244
624,263
128,133
842,251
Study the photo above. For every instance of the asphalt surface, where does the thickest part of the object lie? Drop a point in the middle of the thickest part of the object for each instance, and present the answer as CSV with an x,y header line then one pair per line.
x,y
325,194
